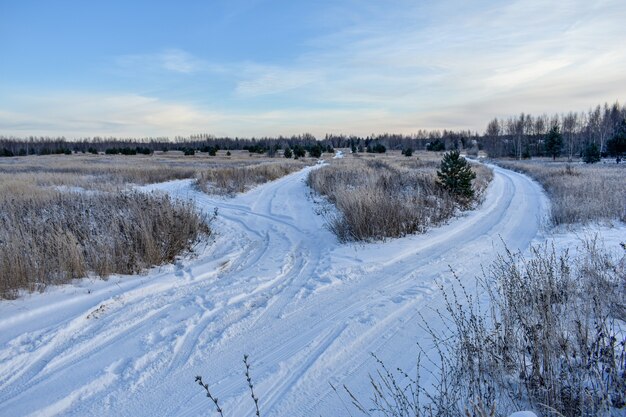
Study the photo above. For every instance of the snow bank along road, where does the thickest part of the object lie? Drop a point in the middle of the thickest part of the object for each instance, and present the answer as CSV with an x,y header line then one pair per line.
x,y
274,284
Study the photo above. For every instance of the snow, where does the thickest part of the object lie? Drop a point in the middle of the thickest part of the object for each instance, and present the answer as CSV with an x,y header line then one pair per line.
x,y
273,283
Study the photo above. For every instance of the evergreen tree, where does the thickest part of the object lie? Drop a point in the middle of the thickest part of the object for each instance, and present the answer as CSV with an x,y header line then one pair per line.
x,y
456,175
436,146
299,152
616,146
316,151
591,154
554,142
287,154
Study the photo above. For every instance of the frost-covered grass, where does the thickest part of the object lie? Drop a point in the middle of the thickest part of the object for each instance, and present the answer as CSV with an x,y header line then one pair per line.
x,y
580,193
67,216
237,179
387,196
107,172
51,237
549,338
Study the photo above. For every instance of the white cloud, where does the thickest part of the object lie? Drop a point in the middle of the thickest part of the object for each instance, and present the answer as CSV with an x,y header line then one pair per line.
x,y
448,64
171,60
260,80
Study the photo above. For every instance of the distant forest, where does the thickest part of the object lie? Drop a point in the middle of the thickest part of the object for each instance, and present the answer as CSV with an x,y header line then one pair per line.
x,y
522,136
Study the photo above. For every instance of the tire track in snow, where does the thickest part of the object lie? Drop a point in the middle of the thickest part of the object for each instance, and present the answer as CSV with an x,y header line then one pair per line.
x,y
306,309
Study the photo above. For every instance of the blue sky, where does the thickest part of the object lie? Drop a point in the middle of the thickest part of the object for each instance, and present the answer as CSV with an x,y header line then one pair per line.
x,y
264,67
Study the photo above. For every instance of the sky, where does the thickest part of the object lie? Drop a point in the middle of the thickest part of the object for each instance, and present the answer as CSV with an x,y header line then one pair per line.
x,y
283,67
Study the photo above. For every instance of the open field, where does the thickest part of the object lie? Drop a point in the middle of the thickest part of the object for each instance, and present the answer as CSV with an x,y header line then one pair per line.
x,y
65,217
579,193
276,284
382,196
230,179
52,237
107,172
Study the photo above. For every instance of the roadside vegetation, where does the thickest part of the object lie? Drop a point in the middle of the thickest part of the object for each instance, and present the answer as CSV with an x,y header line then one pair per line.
x,y
551,339
237,179
380,197
580,193
71,216
50,237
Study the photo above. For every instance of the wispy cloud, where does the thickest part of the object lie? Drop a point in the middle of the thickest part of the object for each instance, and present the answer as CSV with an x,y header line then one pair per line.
x,y
373,67
172,60
260,80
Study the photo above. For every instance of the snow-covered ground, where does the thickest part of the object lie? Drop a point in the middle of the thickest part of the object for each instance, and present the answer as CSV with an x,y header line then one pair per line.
x,y
274,284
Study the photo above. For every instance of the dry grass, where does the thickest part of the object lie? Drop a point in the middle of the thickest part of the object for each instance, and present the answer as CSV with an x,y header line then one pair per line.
x,y
554,334
91,220
51,237
552,340
237,179
579,193
109,171
386,196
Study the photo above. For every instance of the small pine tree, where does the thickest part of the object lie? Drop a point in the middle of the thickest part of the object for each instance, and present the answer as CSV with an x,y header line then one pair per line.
x,y
591,154
436,146
316,151
299,152
456,175
408,152
287,153
616,146
554,142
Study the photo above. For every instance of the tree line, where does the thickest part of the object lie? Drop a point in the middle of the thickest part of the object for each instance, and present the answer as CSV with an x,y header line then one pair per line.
x,y
569,134
524,136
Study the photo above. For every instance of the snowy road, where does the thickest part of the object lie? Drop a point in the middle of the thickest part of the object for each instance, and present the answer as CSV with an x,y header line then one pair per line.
x,y
274,284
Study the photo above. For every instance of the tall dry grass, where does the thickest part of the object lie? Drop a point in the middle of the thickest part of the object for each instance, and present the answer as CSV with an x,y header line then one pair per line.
x,y
378,198
551,340
237,179
579,193
68,216
107,172
52,237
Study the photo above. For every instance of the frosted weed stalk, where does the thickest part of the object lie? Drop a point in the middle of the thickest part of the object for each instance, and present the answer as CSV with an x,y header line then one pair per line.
x,y
552,339
249,382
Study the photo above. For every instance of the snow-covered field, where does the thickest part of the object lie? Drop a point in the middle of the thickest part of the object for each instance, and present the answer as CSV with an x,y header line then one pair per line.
x,y
274,284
